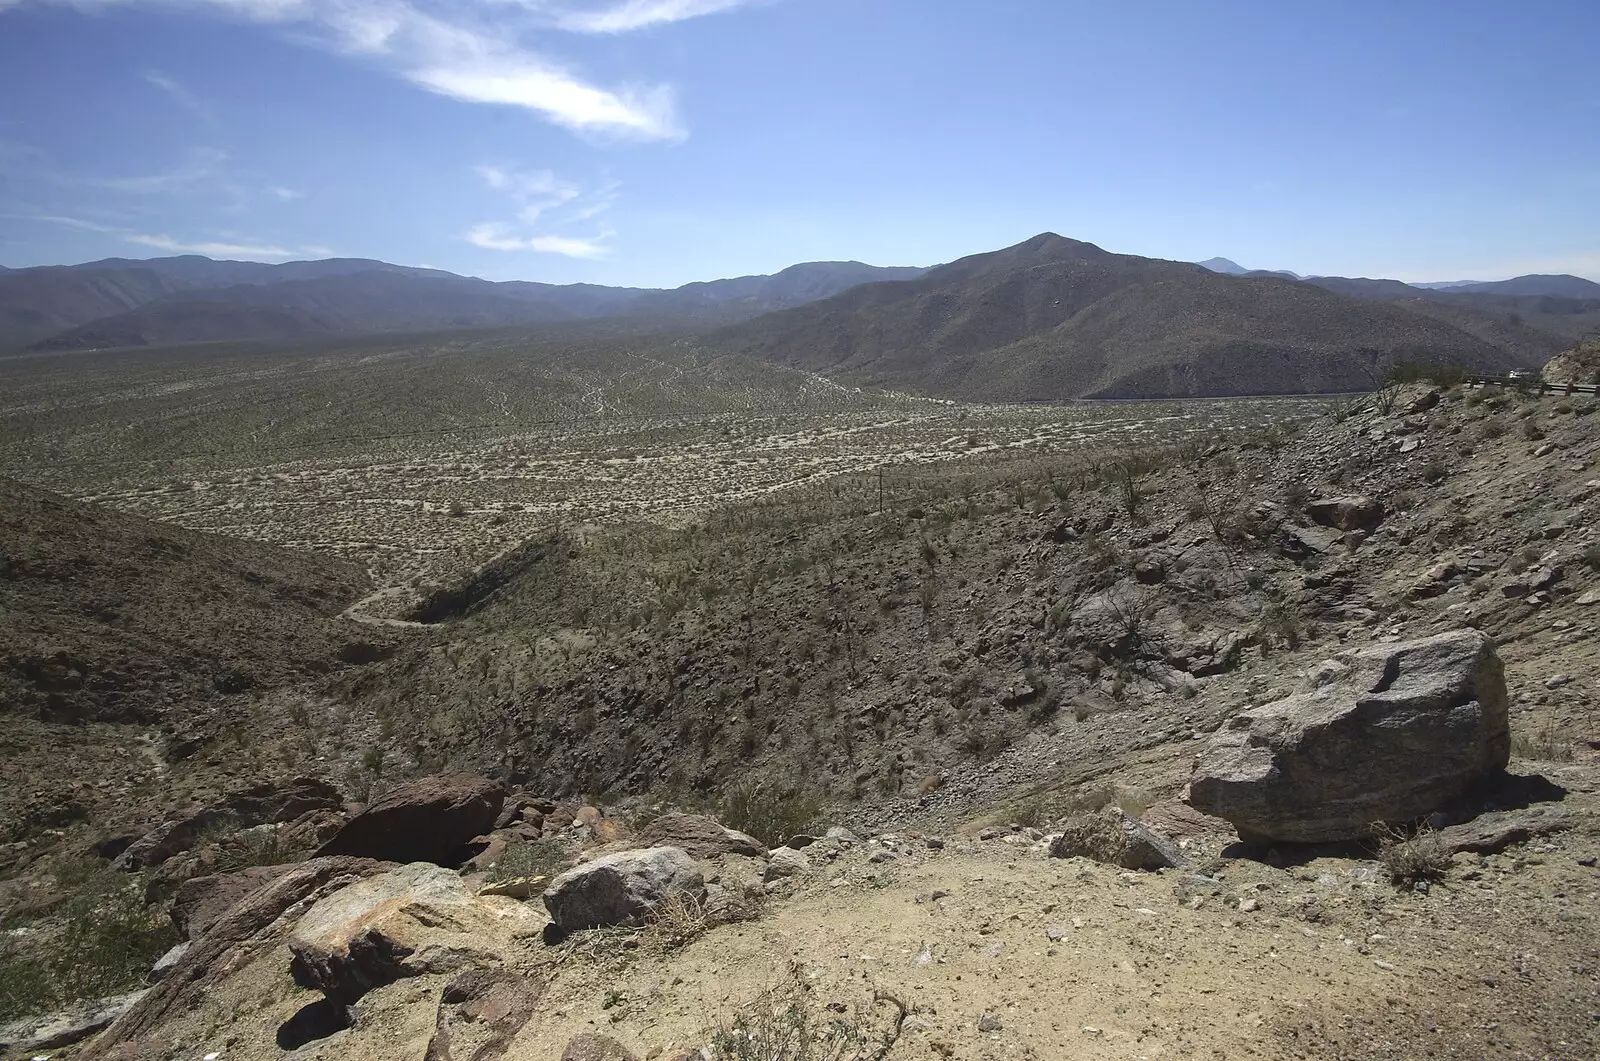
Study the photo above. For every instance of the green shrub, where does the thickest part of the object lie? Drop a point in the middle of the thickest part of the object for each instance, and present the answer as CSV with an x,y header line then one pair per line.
x,y
536,858
768,813
100,942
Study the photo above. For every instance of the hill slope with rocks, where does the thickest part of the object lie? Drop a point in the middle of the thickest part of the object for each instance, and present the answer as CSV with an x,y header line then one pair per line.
x,y
972,749
1056,318
111,617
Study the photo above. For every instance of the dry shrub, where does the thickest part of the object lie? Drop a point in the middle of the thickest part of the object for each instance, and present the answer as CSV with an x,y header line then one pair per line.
x,y
1046,808
1546,744
1098,836
788,1022
1411,857
682,918
677,921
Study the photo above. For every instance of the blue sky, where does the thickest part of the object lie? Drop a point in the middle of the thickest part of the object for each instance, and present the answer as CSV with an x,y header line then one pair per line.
x,y
654,142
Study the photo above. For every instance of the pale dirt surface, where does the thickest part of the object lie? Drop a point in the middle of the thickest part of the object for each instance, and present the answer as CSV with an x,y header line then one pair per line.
x,y
1316,959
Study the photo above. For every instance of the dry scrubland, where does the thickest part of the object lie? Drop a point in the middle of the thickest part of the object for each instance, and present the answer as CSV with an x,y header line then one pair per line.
x,y
719,602
425,458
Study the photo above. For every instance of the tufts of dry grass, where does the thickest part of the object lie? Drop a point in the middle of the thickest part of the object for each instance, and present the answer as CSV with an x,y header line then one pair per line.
x,y
1411,857
1546,744
677,921
789,1022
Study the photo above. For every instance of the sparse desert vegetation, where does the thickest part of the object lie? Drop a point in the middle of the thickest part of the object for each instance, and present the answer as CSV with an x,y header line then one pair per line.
x,y
916,639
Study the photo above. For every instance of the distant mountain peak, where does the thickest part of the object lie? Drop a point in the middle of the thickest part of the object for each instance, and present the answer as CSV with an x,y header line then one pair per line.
x,y
1054,246
1223,265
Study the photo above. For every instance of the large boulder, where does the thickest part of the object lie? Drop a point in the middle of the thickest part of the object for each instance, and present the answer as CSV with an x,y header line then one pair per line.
x,y
480,1012
702,837
1389,733
1111,836
621,888
1349,512
1581,364
409,921
430,820
201,902
267,803
74,1024
225,948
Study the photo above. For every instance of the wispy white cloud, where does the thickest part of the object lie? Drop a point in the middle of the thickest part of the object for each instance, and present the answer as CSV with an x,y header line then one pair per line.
x,y
287,195
498,237
475,53
633,15
202,164
537,191
181,95
543,199
231,246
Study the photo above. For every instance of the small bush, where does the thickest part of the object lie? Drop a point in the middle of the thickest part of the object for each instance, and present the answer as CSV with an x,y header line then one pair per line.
x,y
767,813
105,943
537,858
261,846
1409,858
1280,620
1491,429
1098,836
1522,560
677,921
1433,472
1591,556
788,1022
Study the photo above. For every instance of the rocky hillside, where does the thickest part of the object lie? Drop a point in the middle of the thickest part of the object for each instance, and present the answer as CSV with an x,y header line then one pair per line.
x,y
135,654
1014,688
1056,318
1113,598
109,617
1581,364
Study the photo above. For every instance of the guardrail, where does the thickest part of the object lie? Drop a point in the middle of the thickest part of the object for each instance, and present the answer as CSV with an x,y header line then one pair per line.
x,y
1532,383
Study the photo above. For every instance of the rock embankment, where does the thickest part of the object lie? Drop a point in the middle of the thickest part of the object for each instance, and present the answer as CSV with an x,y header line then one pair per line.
x,y
1390,733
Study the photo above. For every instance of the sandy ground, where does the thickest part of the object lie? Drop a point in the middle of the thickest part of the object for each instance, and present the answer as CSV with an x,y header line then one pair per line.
x,y
1003,952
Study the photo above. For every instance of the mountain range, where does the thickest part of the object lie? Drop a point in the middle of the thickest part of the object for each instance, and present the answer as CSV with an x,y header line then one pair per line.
x,y
1057,318
122,302
1562,285
1049,318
